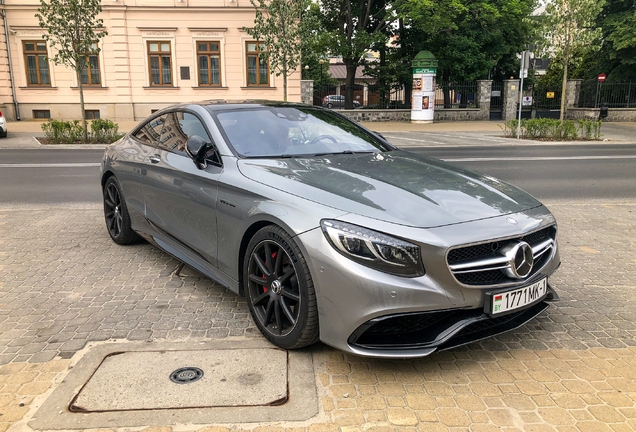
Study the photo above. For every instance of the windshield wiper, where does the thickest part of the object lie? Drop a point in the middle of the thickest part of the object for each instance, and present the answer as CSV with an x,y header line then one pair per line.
x,y
343,152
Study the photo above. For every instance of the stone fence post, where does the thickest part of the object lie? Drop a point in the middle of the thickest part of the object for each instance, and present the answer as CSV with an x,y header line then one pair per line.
x,y
484,92
510,99
572,89
307,91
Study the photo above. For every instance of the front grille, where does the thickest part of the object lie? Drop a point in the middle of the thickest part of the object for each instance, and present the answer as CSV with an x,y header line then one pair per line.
x,y
486,250
483,264
488,277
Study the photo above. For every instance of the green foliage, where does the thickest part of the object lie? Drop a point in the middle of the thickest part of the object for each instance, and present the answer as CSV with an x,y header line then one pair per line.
x,y
472,39
554,130
278,24
104,131
71,132
349,28
568,28
73,30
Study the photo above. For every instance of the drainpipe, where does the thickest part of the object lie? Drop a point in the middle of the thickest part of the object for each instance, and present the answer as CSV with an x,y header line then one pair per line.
x,y
6,36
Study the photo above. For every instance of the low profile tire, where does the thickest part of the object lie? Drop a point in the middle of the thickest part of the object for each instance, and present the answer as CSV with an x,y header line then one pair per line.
x,y
279,289
116,214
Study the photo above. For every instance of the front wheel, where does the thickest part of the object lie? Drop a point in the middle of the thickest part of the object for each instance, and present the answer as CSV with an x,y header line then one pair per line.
x,y
116,214
279,289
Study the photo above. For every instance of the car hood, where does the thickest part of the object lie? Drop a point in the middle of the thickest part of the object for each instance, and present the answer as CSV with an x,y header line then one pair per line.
x,y
397,187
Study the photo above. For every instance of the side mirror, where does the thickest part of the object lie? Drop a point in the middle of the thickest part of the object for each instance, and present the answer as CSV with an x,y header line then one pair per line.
x,y
197,148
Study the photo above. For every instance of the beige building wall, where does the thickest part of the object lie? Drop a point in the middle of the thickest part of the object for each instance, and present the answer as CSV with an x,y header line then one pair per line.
x,y
126,92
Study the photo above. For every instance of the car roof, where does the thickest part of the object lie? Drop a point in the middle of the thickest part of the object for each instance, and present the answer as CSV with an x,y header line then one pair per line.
x,y
224,105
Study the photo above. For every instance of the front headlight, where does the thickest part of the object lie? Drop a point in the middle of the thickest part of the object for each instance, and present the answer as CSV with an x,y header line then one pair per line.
x,y
374,249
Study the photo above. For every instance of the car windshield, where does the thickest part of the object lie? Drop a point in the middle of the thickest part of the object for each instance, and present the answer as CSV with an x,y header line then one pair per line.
x,y
294,132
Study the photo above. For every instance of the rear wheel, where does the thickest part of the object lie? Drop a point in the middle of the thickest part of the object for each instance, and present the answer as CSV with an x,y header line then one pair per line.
x,y
116,214
279,289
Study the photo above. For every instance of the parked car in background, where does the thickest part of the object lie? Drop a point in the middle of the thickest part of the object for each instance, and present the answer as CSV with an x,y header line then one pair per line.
x,y
337,101
3,126
328,230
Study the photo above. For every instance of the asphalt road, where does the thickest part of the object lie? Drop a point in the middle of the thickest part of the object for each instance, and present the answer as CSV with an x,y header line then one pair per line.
x,y
555,172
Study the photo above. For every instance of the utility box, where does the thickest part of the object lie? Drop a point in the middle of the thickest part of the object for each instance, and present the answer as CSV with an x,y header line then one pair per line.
x,y
423,100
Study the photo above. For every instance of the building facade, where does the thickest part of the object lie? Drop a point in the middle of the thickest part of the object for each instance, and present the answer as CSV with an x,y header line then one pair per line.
x,y
156,53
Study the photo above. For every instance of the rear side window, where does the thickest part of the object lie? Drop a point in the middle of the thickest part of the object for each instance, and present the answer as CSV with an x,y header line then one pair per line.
x,y
150,133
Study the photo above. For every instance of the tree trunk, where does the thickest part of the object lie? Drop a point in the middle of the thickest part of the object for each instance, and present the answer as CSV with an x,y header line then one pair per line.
x,y
382,84
81,93
566,54
351,66
448,103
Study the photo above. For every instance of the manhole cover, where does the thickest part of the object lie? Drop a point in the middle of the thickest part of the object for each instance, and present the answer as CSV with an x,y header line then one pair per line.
x,y
186,375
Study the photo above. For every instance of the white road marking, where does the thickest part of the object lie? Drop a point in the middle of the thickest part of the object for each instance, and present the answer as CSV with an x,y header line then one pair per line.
x,y
547,158
54,165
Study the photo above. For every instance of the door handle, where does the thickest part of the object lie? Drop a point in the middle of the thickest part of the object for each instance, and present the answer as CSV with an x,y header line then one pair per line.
x,y
155,159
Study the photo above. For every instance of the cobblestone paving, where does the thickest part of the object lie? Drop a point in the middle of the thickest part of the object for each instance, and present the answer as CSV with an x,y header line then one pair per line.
x,y
64,283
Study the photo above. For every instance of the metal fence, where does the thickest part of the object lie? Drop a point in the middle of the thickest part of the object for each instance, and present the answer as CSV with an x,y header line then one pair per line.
x,y
456,95
374,96
369,96
593,94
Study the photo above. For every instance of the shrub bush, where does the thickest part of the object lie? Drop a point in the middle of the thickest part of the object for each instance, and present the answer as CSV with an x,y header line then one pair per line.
x,y
71,131
553,130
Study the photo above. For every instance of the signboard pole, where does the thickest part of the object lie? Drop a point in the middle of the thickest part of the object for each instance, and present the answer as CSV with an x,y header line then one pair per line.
x,y
521,74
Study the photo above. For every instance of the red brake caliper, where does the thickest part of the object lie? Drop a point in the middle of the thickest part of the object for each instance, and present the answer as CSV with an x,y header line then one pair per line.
x,y
263,276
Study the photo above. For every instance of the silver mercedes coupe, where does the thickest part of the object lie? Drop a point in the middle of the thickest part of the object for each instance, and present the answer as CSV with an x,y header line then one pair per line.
x,y
329,231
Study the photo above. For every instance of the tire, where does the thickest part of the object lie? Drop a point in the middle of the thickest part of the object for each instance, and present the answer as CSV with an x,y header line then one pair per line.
x,y
329,105
3,134
282,301
116,214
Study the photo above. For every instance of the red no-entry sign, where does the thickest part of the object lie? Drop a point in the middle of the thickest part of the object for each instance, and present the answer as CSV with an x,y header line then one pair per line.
x,y
602,77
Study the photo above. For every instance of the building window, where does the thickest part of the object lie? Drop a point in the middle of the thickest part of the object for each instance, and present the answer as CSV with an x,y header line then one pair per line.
x,y
90,73
41,114
257,67
160,63
209,62
92,114
37,67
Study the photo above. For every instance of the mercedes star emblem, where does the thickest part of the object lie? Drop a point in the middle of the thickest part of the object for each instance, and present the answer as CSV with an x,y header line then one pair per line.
x,y
520,260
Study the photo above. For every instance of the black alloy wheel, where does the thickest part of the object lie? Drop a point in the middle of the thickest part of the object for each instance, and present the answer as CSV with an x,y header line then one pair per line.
x,y
279,290
116,214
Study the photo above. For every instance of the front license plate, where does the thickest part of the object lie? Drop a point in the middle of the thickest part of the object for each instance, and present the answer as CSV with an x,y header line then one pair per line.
x,y
516,299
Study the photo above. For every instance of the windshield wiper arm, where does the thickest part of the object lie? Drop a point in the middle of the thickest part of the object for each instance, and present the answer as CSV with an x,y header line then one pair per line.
x,y
343,152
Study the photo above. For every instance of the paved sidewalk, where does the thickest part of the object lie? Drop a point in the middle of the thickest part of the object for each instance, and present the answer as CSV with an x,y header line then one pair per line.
x,y
64,284
34,126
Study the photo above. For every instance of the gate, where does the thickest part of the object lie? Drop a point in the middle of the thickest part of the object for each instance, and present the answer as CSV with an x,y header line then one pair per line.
x,y
496,101
547,102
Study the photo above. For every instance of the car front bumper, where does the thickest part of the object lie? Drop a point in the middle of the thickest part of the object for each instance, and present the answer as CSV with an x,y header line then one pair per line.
x,y
371,313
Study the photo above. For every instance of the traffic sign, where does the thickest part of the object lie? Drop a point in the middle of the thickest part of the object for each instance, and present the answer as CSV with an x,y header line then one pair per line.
x,y
602,77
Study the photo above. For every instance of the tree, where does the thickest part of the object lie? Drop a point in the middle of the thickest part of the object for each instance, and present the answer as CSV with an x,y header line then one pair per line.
x,y
74,30
617,22
568,26
352,27
278,24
